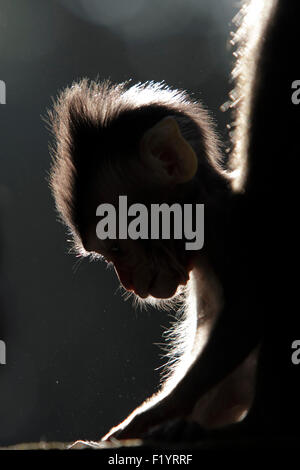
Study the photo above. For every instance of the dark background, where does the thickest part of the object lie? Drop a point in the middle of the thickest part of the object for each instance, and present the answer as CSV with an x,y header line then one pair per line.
x,y
79,358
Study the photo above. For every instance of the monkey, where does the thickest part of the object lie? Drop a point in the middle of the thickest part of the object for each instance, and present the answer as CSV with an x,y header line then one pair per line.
x,y
172,156
156,144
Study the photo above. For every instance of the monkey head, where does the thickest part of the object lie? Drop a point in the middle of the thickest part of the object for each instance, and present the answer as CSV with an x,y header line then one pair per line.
x,y
147,142
164,161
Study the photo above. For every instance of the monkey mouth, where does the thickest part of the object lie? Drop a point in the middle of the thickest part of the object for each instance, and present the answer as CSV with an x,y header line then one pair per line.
x,y
143,293
160,292
162,289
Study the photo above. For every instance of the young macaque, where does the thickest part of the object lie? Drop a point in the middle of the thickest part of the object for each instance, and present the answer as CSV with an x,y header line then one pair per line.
x,y
156,145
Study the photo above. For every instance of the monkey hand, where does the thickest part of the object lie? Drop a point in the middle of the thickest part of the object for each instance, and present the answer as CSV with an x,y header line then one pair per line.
x,y
139,422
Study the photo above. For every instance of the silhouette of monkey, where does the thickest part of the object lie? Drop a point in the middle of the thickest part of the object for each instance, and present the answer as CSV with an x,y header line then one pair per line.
x,y
156,145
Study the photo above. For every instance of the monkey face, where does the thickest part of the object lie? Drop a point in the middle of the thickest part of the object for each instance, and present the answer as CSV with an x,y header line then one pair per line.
x,y
158,169
146,267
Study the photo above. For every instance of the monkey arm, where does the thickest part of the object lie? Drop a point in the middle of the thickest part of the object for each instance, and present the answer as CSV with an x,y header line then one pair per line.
x,y
234,336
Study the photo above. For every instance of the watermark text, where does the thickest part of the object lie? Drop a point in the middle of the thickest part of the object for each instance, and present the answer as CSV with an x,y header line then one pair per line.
x,y
161,221
296,94
2,92
2,352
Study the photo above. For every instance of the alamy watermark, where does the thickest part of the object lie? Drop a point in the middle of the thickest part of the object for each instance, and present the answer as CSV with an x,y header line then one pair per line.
x,y
160,222
2,352
2,92
296,354
296,94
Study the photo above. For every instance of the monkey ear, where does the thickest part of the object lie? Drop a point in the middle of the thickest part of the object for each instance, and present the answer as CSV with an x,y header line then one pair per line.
x,y
165,151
